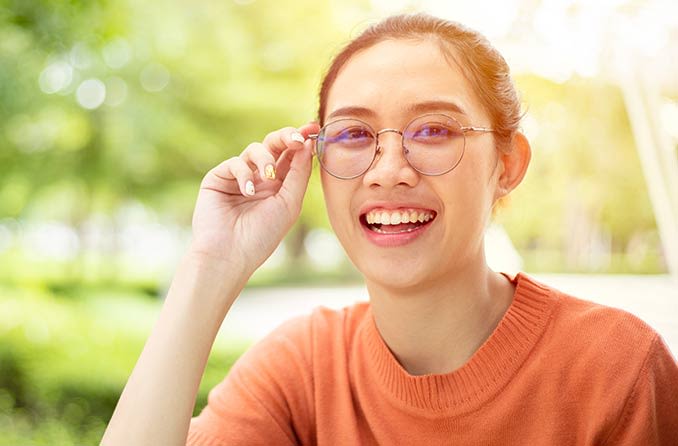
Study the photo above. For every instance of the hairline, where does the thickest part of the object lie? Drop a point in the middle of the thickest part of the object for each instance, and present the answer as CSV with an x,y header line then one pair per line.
x,y
447,49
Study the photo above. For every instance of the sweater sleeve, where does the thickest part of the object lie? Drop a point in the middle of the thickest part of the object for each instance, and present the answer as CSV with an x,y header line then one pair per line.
x,y
266,398
650,414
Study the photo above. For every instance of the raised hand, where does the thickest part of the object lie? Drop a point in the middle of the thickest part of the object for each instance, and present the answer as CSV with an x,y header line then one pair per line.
x,y
248,203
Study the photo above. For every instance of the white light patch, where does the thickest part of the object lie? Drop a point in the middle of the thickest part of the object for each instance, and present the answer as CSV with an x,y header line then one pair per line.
x,y
117,53
81,56
55,77
91,94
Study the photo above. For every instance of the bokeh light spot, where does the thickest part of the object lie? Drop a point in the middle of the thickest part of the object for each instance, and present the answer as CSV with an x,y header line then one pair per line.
x,y
91,94
117,53
81,56
55,77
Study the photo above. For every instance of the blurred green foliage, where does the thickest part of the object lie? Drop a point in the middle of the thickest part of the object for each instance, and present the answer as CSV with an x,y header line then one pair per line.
x,y
235,73
187,85
64,359
584,186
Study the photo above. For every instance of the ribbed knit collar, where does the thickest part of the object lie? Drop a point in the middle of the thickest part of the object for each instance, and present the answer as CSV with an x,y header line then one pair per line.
x,y
489,369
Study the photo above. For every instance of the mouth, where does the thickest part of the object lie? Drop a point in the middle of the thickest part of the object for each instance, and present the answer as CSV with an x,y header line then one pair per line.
x,y
397,221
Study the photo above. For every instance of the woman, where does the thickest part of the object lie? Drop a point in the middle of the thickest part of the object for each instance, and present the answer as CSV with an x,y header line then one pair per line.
x,y
418,139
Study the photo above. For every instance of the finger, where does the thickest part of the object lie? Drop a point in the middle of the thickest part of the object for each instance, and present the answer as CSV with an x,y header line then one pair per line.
x,y
235,169
283,164
312,128
283,139
257,154
294,185
308,129
284,160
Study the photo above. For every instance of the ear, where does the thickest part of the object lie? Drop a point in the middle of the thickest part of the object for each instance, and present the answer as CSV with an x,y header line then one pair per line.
x,y
514,162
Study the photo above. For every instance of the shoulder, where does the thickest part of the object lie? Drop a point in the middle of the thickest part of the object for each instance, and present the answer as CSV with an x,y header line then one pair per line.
x,y
610,371
600,328
594,346
269,393
297,338
281,367
584,319
345,320
321,320
583,326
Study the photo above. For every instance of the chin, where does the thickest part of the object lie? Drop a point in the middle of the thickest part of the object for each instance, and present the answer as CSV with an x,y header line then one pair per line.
x,y
395,272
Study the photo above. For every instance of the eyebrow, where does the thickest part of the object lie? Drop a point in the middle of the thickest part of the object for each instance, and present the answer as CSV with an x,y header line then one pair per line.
x,y
419,107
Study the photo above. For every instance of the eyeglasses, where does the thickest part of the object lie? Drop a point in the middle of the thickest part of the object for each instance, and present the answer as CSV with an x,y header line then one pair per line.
x,y
433,144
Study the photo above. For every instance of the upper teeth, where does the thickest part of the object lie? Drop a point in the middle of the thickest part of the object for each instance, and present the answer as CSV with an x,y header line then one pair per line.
x,y
396,217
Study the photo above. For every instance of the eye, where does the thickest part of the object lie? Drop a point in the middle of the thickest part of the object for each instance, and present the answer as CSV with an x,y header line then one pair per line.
x,y
350,136
355,133
432,130
433,133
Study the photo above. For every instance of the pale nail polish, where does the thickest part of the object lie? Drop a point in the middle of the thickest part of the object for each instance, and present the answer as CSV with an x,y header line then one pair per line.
x,y
269,172
249,188
298,137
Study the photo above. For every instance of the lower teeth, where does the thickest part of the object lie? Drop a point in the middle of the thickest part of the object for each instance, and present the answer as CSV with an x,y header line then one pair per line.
x,y
375,229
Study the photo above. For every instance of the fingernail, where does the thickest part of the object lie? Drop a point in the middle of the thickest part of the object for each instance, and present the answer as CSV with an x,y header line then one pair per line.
x,y
249,188
298,137
269,171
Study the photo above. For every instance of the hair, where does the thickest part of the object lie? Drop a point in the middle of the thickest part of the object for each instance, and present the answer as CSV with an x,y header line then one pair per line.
x,y
480,62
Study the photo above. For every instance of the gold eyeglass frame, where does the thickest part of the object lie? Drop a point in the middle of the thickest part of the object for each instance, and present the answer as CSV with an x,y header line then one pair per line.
x,y
378,148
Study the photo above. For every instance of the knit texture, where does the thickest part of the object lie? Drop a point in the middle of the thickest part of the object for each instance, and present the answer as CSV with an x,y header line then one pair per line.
x,y
557,370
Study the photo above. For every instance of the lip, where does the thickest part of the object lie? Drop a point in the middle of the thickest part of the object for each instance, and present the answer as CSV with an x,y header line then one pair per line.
x,y
397,239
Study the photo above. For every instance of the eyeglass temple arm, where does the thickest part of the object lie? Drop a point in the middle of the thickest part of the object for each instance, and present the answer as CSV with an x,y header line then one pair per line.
x,y
476,129
466,129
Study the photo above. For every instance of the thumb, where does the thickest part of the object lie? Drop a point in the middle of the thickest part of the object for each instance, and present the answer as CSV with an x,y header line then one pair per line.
x,y
296,181
311,127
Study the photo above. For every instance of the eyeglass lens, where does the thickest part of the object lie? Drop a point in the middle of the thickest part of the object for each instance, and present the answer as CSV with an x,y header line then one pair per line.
x,y
433,144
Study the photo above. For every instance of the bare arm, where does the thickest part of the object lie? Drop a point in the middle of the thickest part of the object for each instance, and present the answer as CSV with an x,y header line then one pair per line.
x,y
244,209
157,402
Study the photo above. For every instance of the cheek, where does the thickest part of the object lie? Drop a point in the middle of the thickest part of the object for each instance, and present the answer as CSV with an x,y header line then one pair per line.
x,y
468,192
337,201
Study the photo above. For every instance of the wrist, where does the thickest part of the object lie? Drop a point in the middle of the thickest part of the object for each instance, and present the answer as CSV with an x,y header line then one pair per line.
x,y
216,275
232,265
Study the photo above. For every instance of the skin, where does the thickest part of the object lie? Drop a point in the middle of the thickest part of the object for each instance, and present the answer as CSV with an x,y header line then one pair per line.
x,y
435,300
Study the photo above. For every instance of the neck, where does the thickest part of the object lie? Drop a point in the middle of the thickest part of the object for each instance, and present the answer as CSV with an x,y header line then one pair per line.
x,y
436,327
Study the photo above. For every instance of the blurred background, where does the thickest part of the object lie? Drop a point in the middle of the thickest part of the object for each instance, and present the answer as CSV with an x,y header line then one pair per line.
x,y
111,112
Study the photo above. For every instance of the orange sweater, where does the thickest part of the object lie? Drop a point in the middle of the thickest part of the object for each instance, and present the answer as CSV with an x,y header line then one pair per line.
x,y
556,371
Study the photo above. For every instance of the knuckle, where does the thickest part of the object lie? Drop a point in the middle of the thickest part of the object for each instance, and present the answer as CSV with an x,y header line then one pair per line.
x,y
257,150
251,147
242,170
265,157
231,161
280,134
236,168
281,131
260,153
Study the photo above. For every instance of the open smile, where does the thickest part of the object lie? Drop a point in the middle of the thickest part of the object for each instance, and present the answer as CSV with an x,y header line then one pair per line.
x,y
395,227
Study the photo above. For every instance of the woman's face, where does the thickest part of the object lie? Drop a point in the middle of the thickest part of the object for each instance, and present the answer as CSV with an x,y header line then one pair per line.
x,y
392,82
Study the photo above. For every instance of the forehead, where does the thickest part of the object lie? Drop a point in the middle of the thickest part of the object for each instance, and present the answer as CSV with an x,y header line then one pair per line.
x,y
392,76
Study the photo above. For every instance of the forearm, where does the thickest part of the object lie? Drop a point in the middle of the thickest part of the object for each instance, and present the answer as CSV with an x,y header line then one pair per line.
x,y
156,405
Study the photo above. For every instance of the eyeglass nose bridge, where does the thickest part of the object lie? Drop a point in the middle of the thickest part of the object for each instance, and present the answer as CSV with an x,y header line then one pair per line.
x,y
381,132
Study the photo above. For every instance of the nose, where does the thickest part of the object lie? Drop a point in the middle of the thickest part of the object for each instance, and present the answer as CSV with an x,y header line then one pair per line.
x,y
390,167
